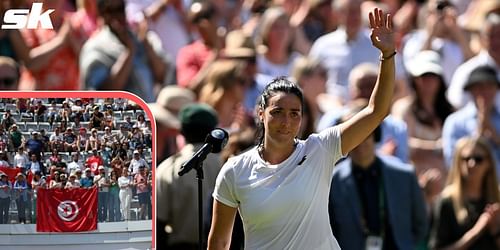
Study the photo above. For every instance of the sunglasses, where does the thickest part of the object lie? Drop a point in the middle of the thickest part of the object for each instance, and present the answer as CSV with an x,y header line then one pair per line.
x,y
477,158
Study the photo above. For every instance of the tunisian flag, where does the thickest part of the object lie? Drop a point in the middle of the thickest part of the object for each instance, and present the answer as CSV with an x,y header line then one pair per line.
x,y
66,210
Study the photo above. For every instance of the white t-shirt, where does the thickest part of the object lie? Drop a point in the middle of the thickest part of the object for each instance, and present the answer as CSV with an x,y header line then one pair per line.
x,y
284,206
123,183
21,160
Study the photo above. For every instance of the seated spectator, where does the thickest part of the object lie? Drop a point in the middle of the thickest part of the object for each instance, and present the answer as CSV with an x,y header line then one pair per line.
x,y
124,135
133,65
77,107
53,113
38,111
109,139
20,189
5,195
467,215
94,140
70,140
65,112
87,181
72,182
9,73
96,119
137,138
82,140
141,123
128,122
56,140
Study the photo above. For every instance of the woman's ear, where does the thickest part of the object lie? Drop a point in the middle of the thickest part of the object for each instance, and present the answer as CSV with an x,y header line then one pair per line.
x,y
260,115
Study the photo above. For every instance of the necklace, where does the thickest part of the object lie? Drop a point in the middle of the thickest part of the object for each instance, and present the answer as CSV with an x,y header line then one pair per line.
x,y
260,149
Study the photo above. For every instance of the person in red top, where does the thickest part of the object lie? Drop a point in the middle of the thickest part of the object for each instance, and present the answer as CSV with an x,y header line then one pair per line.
x,y
193,59
94,161
55,52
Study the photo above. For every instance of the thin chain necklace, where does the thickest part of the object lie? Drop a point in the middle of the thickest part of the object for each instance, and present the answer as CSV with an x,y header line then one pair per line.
x,y
260,149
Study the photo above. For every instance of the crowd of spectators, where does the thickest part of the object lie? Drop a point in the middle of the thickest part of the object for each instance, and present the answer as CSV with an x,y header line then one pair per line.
x,y
66,143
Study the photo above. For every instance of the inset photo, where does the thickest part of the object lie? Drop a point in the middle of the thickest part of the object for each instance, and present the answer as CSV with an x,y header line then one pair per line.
x,y
76,171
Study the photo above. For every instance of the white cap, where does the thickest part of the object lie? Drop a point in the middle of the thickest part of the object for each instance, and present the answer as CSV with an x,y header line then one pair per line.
x,y
426,61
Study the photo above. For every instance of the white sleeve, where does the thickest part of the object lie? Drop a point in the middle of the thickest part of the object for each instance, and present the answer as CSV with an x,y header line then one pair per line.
x,y
224,185
330,140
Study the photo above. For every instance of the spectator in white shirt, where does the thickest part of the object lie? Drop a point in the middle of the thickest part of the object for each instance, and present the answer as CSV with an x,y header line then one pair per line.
x,y
136,162
72,182
21,159
75,164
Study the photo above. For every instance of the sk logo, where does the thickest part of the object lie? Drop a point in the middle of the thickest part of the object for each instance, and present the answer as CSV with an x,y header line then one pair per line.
x,y
29,19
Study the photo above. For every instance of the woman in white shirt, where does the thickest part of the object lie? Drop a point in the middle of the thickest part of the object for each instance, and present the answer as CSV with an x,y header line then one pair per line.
x,y
281,186
125,184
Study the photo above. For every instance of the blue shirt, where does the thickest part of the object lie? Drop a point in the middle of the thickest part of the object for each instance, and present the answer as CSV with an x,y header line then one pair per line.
x,y
463,123
86,182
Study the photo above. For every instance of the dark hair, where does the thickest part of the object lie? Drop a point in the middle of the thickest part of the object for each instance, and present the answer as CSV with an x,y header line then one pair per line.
x,y
279,84
442,107
195,133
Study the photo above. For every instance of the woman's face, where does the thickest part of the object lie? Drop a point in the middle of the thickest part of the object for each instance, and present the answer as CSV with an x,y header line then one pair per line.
x,y
282,118
279,34
473,163
427,85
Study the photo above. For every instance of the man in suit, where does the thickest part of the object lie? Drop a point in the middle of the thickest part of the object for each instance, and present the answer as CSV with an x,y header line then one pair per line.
x,y
375,201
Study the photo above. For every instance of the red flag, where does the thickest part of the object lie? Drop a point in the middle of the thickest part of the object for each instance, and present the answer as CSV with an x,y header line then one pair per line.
x,y
10,172
66,210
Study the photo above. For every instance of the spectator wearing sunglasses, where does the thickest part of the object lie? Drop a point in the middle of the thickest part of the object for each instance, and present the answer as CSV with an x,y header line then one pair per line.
x,y
467,215
9,74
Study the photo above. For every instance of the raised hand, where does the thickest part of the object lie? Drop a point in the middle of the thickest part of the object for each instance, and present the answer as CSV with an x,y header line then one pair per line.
x,y
382,35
